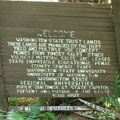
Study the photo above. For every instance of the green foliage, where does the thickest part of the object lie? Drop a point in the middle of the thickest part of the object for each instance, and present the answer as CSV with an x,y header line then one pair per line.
x,y
47,116
116,93
105,100
35,110
111,116
69,118
66,102
22,101
116,89
28,101
113,100
103,116
2,113
33,114
14,115
1,116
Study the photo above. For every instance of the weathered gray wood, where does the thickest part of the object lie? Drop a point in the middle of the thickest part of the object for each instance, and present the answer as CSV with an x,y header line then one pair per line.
x,y
20,17
4,41
50,4
81,34
3,97
16,81
39,9
101,109
52,108
116,16
34,23
48,95
108,47
22,73
23,69
87,21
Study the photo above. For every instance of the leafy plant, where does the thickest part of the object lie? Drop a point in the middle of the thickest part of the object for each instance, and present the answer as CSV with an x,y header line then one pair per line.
x,y
113,100
14,115
116,89
33,114
103,116
47,116
22,101
35,110
116,92
112,116
66,102
69,118
1,116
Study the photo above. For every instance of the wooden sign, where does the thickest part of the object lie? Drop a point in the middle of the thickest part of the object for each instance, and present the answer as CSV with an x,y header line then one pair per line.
x,y
57,49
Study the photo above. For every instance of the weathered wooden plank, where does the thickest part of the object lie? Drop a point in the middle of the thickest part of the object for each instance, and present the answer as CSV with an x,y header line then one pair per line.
x,y
59,24
28,22
59,6
13,69
39,4
19,55
65,77
29,59
62,13
16,17
55,93
23,74
3,98
90,28
52,83
25,32
83,95
5,40
16,80
7,52
19,71
101,109
115,67
51,108
102,46
116,16
37,9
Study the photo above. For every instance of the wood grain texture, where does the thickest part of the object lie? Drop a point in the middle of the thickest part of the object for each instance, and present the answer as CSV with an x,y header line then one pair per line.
x,y
116,16
52,108
3,97
27,19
